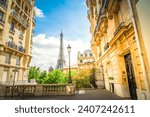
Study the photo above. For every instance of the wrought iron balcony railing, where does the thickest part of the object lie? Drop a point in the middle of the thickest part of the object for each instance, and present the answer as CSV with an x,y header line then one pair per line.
x,y
3,4
15,46
21,49
104,5
28,2
19,19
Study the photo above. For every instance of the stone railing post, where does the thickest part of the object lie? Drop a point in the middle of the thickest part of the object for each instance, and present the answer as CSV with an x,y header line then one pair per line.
x,y
39,90
70,89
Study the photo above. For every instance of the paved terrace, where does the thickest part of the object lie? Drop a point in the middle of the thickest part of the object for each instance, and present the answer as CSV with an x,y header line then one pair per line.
x,y
98,94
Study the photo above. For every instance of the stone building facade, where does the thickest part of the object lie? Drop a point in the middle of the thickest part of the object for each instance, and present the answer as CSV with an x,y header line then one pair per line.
x,y
120,53
17,21
85,61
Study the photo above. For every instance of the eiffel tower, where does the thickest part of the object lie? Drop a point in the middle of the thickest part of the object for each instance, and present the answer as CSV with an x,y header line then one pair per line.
x,y
61,60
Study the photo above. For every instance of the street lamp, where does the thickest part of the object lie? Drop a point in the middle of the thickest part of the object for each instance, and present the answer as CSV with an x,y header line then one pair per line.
x,y
69,50
12,93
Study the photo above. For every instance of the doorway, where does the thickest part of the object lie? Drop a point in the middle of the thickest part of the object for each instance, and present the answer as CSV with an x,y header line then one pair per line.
x,y
131,76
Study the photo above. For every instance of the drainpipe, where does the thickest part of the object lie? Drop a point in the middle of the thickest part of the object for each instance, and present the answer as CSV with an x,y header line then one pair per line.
x,y
139,49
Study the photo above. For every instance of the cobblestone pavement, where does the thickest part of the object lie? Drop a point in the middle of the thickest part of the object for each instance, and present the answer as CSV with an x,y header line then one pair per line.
x,y
98,94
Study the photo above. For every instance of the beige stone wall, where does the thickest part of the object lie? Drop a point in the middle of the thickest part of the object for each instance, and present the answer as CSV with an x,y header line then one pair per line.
x,y
117,30
23,9
143,9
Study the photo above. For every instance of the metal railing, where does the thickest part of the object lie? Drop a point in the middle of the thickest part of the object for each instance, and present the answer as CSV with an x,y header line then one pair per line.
x,y
104,5
21,20
28,2
15,46
3,4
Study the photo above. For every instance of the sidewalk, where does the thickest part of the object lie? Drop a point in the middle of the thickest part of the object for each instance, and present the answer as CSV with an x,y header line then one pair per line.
x,y
97,94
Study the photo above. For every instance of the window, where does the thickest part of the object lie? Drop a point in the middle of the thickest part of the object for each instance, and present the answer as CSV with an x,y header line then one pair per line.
x,y
1,16
5,76
10,39
21,33
85,55
20,44
20,48
7,58
3,2
81,61
12,27
91,54
17,60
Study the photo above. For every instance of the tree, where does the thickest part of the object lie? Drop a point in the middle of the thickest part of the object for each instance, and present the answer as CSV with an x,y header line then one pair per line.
x,y
34,72
42,76
54,77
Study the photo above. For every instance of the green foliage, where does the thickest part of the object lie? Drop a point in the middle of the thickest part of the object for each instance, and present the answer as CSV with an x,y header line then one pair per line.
x,y
82,82
34,72
73,73
41,77
57,76
54,77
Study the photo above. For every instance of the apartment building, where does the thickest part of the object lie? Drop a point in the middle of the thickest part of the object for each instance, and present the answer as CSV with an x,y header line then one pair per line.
x,y
85,62
17,23
120,49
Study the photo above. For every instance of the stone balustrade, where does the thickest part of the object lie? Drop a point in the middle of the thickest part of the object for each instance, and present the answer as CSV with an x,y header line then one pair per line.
x,y
37,90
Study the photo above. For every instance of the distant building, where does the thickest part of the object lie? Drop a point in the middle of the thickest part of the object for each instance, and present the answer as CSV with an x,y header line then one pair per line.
x,y
73,68
85,61
120,43
17,22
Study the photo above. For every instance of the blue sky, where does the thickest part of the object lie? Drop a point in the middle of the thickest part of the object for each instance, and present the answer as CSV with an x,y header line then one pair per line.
x,y
52,16
68,15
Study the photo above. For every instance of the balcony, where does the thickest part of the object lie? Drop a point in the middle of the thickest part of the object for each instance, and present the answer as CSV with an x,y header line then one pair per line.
x,y
119,28
21,49
12,45
3,4
101,16
15,3
15,47
19,19
28,2
12,31
106,46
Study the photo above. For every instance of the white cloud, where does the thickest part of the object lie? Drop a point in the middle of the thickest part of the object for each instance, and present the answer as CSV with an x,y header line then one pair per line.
x,y
38,12
46,51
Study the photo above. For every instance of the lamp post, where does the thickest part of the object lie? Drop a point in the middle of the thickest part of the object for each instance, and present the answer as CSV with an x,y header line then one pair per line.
x,y
12,93
69,50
